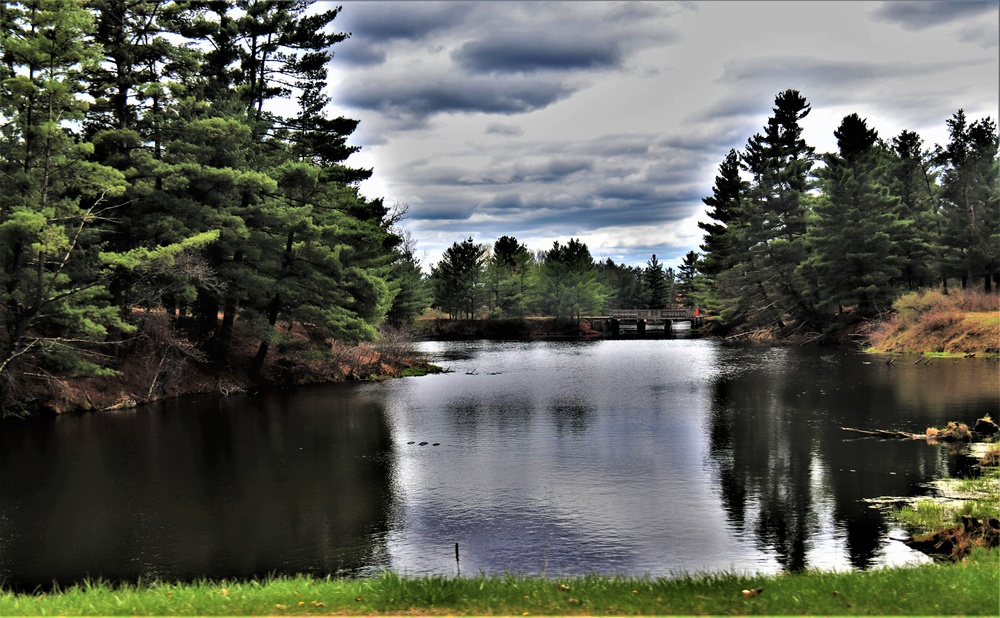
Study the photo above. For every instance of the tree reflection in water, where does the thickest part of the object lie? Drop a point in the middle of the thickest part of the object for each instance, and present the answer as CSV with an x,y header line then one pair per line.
x,y
785,467
198,487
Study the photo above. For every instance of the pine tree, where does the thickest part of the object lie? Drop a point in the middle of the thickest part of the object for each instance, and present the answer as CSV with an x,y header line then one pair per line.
x,y
759,288
457,279
722,237
411,290
507,275
567,284
689,286
53,201
971,200
854,258
912,180
135,87
658,290
276,233
623,283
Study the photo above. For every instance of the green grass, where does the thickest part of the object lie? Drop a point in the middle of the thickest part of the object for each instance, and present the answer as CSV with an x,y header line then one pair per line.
x,y
967,588
420,371
978,497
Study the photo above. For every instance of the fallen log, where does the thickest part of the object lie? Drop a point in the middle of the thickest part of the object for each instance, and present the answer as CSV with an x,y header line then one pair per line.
x,y
885,433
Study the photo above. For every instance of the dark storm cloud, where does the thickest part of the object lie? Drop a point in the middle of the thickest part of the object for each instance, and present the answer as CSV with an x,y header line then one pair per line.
x,y
503,203
527,52
983,35
613,193
390,21
439,209
508,58
552,170
555,40
510,168
375,26
359,54
456,94
828,74
499,128
576,216
922,15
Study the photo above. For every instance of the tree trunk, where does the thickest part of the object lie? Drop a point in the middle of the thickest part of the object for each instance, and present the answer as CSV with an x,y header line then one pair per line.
x,y
273,309
228,319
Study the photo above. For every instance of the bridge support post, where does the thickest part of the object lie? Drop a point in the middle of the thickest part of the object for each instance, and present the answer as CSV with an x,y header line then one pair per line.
x,y
615,328
640,327
668,327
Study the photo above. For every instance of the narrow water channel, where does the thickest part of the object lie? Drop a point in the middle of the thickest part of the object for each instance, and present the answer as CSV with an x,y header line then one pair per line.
x,y
642,457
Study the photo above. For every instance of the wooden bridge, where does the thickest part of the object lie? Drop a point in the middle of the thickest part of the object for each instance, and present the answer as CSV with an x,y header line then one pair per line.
x,y
646,321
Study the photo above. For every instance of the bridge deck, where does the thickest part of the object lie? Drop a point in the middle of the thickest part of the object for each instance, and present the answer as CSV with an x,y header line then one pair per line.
x,y
640,319
673,313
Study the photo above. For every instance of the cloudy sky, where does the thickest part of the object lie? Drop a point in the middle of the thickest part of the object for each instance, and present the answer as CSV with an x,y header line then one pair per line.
x,y
606,121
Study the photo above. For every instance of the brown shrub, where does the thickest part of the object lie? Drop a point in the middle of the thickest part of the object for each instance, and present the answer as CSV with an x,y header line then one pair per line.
x,y
954,432
975,301
910,306
939,319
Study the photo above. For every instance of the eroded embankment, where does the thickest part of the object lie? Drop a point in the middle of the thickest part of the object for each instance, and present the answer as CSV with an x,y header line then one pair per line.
x,y
160,364
931,322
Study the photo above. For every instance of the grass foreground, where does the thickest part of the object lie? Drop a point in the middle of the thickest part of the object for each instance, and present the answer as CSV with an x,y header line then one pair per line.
x,y
970,587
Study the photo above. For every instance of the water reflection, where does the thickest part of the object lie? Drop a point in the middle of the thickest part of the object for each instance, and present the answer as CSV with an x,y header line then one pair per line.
x,y
643,457
238,487
786,467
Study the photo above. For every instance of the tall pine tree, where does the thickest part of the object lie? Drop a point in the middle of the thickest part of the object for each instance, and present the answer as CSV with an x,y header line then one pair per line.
x,y
53,200
971,200
854,257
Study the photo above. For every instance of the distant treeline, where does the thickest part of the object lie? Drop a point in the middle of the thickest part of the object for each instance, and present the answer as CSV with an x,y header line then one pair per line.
x,y
142,174
508,280
798,242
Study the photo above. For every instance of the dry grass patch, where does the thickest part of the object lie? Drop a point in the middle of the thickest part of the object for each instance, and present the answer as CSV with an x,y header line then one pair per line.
x,y
959,323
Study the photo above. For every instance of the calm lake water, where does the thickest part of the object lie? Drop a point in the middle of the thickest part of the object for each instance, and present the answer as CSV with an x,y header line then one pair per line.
x,y
632,457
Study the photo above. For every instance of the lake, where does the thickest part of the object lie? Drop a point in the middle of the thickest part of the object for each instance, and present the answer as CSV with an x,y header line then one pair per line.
x,y
631,457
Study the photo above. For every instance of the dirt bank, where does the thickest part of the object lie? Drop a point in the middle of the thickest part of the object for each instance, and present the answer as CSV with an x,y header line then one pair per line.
x,y
959,323
160,365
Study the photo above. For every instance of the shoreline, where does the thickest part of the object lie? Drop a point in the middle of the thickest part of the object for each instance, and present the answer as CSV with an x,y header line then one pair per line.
x,y
923,324
137,384
933,323
971,589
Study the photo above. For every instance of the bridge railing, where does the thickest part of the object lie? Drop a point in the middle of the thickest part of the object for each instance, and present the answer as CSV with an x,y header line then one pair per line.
x,y
653,314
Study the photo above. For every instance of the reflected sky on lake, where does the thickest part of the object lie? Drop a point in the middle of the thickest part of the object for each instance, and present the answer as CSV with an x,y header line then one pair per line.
x,y
630,457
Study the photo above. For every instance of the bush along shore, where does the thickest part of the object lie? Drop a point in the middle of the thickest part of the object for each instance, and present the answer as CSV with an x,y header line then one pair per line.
x,y
963,515
159,364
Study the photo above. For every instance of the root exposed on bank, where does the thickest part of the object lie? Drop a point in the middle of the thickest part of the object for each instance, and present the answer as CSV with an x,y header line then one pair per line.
x,y
956,543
